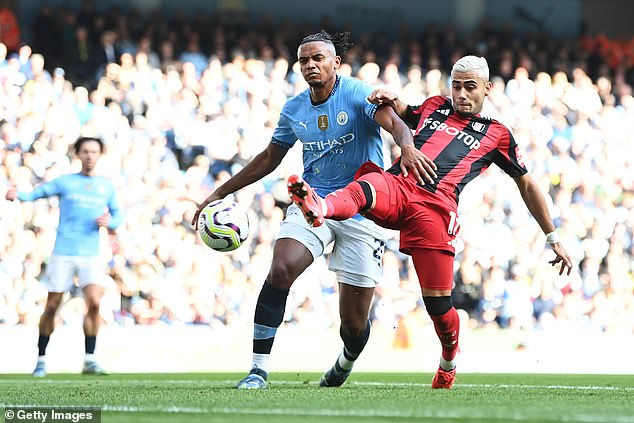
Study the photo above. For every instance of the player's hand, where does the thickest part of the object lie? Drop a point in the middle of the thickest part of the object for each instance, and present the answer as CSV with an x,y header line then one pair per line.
x,y
381,97
12,193
421,166
201,206
103,220
562,257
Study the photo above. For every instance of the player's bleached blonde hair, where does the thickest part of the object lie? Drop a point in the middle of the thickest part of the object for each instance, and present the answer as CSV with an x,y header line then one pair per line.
x,y
472,63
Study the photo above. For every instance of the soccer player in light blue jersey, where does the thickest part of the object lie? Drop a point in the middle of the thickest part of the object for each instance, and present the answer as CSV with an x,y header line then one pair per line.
x,y
87,202
339,129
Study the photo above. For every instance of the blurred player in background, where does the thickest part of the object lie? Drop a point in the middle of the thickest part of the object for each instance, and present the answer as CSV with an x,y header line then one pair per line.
x,y
339,130
87,202
462,144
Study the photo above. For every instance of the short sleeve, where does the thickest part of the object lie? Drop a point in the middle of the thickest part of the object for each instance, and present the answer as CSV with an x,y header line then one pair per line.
x,y
283,136
368,109
412,115
509,158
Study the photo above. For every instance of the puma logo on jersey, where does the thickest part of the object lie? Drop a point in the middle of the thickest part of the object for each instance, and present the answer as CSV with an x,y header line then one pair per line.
x,y
304,124
436,125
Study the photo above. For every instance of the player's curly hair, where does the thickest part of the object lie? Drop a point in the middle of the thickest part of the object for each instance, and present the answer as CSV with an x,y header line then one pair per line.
x,y
341,40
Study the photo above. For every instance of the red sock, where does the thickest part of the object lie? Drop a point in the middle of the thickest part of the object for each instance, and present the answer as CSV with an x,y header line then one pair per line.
x,y
346,202
448,329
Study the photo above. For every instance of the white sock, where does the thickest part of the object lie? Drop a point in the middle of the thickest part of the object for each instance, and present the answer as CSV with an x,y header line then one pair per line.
x,y
447,365
261,361
89,358
344,363
41,359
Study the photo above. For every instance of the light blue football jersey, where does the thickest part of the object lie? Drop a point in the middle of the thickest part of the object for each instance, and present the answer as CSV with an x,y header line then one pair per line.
x,y
82,199
338,135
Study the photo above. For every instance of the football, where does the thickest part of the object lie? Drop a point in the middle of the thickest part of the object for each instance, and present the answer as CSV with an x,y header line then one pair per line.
x,y
223,225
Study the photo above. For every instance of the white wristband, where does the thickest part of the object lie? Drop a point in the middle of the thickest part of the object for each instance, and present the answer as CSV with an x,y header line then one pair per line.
x,y
552,238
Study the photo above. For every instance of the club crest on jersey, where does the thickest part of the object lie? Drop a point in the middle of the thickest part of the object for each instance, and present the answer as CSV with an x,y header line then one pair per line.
x,y
342,118
478,126
322,122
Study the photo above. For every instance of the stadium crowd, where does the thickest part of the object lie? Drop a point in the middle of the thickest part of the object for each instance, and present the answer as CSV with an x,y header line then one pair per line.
x,y
183,104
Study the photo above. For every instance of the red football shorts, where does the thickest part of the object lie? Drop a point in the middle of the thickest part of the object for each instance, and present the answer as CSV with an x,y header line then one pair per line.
x,y
424,219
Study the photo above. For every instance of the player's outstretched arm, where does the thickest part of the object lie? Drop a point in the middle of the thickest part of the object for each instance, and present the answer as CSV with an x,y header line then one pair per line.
x,y
261,165
534,199
47,189
412,159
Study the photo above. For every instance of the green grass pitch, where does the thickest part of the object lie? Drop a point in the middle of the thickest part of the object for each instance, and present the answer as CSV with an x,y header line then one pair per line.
x,y
367,397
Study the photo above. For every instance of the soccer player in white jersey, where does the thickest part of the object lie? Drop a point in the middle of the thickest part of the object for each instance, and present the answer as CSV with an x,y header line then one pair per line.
x,y
339,130
86,203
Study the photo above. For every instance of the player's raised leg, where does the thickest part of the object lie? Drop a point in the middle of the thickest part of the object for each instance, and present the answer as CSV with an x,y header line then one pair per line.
x,y
339,205
313,206
290,259
46,327
370,194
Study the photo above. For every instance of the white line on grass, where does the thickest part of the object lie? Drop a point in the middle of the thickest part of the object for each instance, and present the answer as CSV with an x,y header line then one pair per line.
x,y
504,385
436,414
220,383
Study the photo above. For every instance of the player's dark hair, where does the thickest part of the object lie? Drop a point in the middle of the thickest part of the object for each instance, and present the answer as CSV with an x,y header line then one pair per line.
x,y
81,140
341,40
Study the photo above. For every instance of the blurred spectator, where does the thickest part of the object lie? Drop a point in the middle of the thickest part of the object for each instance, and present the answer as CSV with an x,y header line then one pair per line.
x,y
107,51
80,58
46,35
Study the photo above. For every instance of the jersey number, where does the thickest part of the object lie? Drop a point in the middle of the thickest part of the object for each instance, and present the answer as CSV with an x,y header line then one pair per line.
x,y
378,252
454,224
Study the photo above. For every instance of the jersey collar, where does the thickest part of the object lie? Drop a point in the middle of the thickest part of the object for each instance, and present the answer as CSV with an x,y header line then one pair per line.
x,y
334,90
